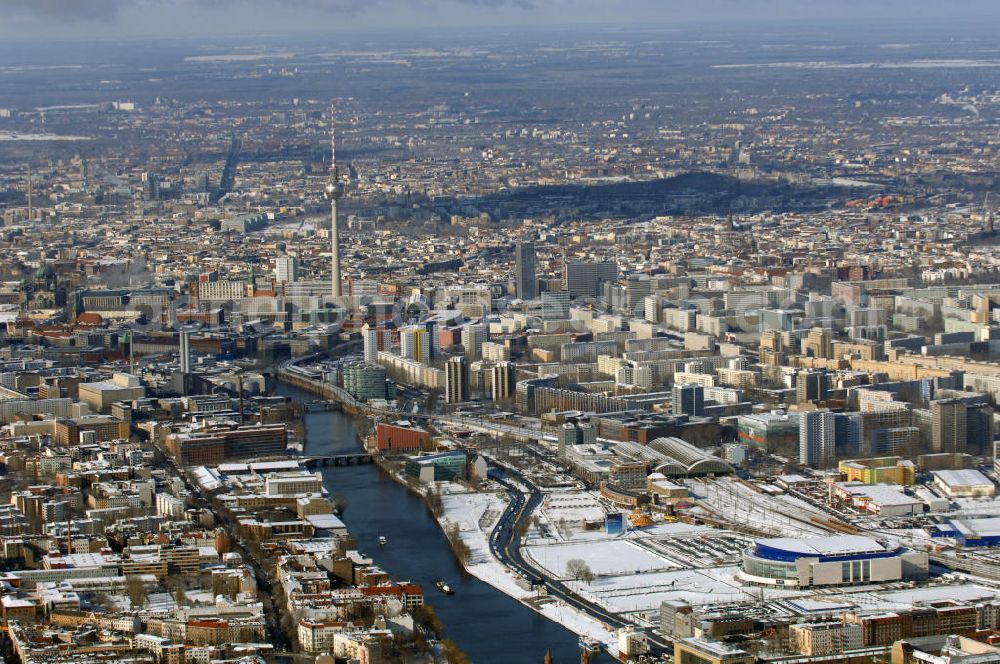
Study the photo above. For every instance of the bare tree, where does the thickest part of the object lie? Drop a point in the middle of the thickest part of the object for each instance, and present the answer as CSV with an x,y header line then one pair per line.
x,y
579,569
462,551
453,653
136,591
433,499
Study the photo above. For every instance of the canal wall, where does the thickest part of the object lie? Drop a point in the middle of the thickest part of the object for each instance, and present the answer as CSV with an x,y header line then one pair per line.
x,y
320,389
333,393
463,616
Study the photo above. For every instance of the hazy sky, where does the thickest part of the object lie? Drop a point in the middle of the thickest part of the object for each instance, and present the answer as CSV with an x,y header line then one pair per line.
x,y
101,18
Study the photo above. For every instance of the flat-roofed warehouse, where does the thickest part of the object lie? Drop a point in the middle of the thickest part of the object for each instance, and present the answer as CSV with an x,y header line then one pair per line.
x,y
971,532
966,483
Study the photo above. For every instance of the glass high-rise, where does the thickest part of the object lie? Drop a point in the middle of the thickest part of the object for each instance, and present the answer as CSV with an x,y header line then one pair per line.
x,y
525,274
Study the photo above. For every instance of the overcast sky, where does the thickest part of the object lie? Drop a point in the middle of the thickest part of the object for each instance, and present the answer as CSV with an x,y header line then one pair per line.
x,y
103,18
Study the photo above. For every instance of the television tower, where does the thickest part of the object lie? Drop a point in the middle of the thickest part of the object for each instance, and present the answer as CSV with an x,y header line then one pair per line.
x,y
334,190
31,207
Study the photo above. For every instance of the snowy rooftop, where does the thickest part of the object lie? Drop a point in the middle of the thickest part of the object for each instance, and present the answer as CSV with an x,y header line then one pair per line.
x,y
966,477
326,521
989,527
834,545
880,494
259,467
816,606
793,479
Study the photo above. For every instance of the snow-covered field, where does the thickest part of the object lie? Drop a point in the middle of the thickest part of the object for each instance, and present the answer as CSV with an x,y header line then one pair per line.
x,y
565,512
609,557
645,592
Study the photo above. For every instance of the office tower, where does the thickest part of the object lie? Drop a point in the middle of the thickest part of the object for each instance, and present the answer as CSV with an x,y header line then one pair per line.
x,y
637,288
817,438
651,308
818,344
585,279
369,341
567,436
375,339
555,305
150,186
634,376
575,433
456,380
203,184
286,269
811,385
365,381
772,348
504,377
473,338
495,352
866,316
433,328
949,425
185,352
334,191
979,428
822,308
888,425
525,275
415,343
781,320
689,400
849,433
741,363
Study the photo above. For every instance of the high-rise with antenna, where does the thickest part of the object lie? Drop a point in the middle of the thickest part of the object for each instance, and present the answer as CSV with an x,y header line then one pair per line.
x,y
334,190
31,207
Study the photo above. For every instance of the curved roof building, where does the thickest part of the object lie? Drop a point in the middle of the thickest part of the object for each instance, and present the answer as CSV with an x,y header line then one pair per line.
x,y
683,458
673,457
832,560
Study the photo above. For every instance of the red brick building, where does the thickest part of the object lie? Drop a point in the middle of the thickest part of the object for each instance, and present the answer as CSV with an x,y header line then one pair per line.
x,y
401,438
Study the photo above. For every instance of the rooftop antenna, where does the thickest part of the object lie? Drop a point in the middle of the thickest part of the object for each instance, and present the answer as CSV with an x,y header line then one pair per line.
x,y
30,205
334,190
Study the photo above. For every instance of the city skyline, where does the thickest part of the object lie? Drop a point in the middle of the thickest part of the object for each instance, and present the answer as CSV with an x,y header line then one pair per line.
x,y
425,343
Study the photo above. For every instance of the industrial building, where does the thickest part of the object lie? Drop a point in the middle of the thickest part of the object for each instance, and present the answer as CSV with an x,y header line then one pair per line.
x,y
967,483
881,470
971,532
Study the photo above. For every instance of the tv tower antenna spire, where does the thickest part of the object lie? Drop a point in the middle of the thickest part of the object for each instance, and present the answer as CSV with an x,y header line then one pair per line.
x,y
334,190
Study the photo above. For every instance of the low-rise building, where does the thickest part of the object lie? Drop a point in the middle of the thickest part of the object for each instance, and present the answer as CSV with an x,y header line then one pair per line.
x,y
824,638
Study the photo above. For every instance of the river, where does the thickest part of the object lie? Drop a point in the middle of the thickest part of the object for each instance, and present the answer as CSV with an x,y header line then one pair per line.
x,y
489,626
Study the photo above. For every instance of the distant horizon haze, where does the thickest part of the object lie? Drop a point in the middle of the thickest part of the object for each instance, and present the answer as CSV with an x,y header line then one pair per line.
x,y
37,20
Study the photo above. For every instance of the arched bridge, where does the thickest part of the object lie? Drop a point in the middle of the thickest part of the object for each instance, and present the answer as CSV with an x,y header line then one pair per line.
x,y
337,460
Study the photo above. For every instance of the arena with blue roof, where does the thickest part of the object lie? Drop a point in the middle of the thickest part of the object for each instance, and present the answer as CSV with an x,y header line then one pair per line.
x,y
831,560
